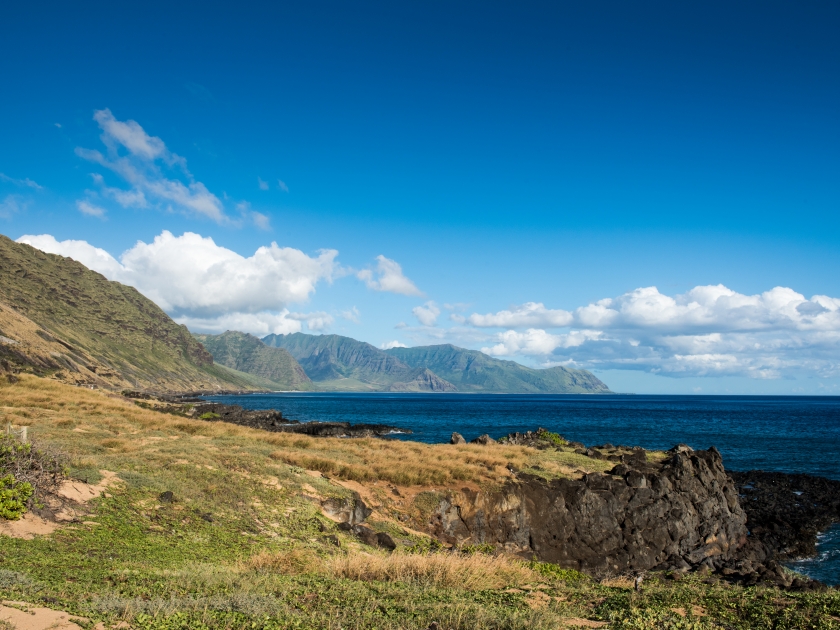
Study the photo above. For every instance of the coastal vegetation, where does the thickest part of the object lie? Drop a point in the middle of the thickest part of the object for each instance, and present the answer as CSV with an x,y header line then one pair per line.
x,y
205,524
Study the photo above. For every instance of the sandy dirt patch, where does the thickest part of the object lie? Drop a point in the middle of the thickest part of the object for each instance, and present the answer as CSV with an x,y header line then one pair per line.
x,y
619,582
27,527
27,617
80,492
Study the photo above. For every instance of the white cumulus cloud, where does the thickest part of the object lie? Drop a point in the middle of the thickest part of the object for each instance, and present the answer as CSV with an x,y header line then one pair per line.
x,y
259,324
427,314
388,276
199,282
535,341
709,330
91,257
528,314
316,322
392,344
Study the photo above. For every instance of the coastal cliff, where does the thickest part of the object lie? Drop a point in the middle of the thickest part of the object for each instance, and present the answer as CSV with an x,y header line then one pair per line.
x,y
676,515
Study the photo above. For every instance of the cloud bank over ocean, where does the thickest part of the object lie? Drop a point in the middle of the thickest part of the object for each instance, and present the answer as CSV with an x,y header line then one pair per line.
x,y
708,331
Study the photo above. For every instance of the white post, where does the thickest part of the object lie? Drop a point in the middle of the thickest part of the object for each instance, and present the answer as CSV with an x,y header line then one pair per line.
x,y
24,434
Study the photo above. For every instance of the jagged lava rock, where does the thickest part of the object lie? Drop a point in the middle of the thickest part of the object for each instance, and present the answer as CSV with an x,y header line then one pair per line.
x,y
273,420
683,512
457,438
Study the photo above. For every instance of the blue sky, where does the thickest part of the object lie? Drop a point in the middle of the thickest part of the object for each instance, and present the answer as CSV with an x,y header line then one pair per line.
x,y
495,156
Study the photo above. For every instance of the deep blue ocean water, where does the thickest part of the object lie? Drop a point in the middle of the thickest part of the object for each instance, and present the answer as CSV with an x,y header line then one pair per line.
x,y
784,433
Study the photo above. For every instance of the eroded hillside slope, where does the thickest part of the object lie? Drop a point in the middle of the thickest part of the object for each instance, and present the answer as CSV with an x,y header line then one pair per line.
x,y
61,319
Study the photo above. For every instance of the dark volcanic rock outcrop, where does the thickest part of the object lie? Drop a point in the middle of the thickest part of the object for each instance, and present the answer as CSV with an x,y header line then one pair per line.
x,y
273,420
679,514
785,512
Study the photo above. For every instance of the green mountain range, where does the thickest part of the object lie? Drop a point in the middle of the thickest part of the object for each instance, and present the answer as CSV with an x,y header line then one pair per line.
x,y
474,371
341,363
247,353
58,318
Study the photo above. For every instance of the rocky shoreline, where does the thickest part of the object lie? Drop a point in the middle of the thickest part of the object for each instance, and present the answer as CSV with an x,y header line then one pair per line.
x,y
191,406
680,513
686,513
786,512
273,420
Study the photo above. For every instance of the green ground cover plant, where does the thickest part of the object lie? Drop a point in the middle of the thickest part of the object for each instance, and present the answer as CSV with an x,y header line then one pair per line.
x,y
14,497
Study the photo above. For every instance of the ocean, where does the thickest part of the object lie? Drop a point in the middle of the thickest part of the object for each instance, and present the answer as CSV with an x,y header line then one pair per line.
x,y
781,433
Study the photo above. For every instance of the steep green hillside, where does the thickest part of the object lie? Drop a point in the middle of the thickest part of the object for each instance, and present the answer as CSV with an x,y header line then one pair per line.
x,y
247,353
82,328
422,380
330,357
341,363
470,370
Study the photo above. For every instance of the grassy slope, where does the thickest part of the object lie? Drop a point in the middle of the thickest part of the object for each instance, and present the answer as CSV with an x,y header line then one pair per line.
x,y
470,370
111,334
248,354
243,547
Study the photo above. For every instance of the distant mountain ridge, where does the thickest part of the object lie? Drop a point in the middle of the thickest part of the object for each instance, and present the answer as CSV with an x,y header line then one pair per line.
x,y
58,318
471,370
247,353
342,363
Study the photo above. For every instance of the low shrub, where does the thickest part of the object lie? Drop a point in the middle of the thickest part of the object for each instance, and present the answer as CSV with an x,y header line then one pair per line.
x,y
29,472
14,497
552,438
549,570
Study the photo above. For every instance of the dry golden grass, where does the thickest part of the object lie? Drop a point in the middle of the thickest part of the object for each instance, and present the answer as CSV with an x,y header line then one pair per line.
x,y
400,463
109,431
443,570
295,561
473,573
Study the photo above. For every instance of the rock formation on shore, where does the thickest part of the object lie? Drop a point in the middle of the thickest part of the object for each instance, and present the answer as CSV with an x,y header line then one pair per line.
x,y
680,514
684,513
265,419
785,512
